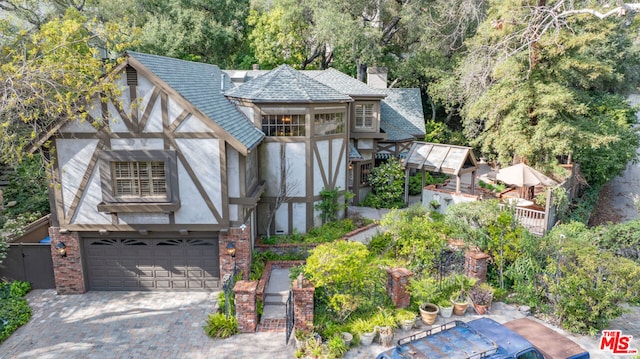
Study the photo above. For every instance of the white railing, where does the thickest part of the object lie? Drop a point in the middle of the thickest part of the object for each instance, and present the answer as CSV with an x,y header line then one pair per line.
x,y
530,219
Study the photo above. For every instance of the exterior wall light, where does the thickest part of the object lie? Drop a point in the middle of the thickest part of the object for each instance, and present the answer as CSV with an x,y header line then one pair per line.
x,y
231,249
61,248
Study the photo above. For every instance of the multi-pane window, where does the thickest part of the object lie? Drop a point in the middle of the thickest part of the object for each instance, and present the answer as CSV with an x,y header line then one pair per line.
x,y
139,179
283,125
365,115
328,123
365,170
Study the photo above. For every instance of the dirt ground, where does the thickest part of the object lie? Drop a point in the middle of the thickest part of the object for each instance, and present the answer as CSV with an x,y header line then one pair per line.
x,y
616,201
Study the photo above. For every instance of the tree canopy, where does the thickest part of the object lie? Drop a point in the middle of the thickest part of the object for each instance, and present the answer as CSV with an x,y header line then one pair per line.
x,y
525,80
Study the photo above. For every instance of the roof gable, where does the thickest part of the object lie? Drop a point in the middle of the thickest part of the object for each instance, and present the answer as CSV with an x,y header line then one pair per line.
x,y
285,84
202,85
401,114
344,83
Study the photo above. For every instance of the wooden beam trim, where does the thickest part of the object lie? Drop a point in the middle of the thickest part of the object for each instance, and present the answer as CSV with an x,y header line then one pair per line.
x,y
316,153
85,180
338,164
142,70
150,105
178,121
196,182
125,118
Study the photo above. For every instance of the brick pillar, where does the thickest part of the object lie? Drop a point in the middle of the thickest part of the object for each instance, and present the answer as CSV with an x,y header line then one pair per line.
x,y
475,265
241,239
397,281
246,305
68,272
303,304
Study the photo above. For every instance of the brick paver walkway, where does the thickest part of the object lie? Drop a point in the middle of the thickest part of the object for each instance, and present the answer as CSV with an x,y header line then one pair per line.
x,y
169,325
131,325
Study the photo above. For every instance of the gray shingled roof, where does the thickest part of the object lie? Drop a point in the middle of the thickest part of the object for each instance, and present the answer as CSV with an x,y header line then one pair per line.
x,y
200,84
344,83
401,114
287,85
353,153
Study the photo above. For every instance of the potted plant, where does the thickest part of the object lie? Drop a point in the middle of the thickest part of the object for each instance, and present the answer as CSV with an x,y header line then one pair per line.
x,y
429,312
406,319
460,302
481,296
346,338
365,329
385,321
459,296
446,307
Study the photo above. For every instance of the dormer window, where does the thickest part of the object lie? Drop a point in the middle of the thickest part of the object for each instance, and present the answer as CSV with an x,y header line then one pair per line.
x,y
365,116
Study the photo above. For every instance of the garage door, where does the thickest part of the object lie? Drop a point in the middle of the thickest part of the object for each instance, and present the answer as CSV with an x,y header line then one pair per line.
x,y
151,264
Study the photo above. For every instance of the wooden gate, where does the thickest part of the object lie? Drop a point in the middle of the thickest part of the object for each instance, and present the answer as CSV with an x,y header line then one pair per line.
x,y
30,262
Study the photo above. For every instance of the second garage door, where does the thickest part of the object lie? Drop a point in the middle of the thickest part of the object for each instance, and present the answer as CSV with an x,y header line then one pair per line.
x,y
151,264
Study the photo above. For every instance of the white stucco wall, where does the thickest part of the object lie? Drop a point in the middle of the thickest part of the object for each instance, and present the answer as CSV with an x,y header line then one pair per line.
x,y
203,156
446,199
78,126
73,159
297,169
341,167
233,172
323,150
87,212
270,167
137,144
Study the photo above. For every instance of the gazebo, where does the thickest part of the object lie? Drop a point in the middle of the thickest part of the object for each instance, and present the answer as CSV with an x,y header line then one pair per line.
x,y
436,157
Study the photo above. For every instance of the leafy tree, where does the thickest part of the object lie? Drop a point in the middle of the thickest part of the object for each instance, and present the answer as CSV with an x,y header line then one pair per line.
x,y
210,31
49,74
281,33
552,94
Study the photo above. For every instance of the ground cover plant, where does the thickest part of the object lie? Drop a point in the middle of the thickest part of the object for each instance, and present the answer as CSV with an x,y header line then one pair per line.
x,y
14,310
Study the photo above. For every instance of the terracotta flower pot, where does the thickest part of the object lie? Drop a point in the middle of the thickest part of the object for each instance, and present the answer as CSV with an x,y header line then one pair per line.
x,y
428,313
480,308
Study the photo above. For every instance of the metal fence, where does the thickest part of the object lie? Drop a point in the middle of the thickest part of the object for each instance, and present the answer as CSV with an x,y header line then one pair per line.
x,y
228,282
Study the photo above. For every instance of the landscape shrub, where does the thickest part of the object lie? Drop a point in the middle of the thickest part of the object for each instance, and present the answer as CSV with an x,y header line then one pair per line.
x,y
346,277
387,186
219,326
586,286
417,239
14,309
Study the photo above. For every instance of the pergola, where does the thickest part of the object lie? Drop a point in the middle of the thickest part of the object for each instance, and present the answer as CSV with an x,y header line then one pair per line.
x,y
436,157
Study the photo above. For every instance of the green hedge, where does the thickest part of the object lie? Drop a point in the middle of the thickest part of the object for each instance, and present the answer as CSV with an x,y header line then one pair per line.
x,y
14,310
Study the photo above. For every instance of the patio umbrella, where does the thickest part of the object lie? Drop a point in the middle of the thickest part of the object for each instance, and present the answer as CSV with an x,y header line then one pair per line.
x,y
521,175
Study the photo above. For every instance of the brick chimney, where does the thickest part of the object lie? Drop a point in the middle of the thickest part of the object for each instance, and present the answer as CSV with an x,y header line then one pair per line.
x,y
377,77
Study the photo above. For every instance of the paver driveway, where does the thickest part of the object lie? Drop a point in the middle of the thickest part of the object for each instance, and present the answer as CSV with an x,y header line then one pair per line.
x,y
130,325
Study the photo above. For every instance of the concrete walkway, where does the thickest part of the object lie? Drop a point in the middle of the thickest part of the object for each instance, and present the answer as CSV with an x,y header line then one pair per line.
x,y
276,294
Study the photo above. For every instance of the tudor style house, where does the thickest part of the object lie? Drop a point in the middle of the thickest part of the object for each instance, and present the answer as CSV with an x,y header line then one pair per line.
x,y
168,186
